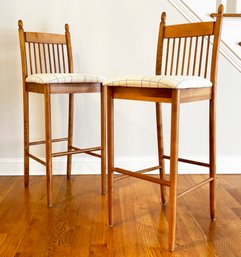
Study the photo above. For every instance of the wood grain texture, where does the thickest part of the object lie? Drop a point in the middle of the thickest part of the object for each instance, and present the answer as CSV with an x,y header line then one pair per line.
x,y
35,37
77,224
206,28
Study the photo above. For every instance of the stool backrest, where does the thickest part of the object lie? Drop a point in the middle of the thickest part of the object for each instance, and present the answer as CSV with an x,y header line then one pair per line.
x,y
45,52
189,49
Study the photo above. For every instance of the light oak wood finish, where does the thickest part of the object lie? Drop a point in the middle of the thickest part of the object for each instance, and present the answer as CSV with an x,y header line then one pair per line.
x,y
160,146
52,53
183,49
76,225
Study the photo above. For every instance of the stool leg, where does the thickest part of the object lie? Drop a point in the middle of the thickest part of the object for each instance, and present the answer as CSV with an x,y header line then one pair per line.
x,y
110,140
70,133
103,139
173,167
212,153
48,144
160,145
26,137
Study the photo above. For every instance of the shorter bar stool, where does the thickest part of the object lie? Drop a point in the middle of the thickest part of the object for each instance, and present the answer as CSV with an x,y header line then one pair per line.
x,y
47,68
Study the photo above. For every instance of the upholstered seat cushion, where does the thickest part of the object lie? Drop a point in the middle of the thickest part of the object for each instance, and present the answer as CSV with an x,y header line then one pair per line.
x,y
46,78
178,82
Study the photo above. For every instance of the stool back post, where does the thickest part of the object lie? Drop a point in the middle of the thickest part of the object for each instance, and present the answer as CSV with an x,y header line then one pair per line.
x,y
216,43
25,102
160,44
22,49
71,102
212,113
69,48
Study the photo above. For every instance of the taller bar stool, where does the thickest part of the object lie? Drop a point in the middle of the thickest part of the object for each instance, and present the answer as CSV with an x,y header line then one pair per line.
x,y
186,70
47,68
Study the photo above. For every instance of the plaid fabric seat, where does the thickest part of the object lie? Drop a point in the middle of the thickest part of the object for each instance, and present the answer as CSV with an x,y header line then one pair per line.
x,y
46,78
178,82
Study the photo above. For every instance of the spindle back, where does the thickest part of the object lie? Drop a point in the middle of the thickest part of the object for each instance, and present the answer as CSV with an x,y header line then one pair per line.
x,y
189,49
45,52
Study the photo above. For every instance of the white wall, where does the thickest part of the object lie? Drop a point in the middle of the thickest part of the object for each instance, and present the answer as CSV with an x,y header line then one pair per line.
x,y
231,26
109,38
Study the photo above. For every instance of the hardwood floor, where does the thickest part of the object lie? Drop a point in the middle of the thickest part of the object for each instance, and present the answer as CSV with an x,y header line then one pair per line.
x,y
77,223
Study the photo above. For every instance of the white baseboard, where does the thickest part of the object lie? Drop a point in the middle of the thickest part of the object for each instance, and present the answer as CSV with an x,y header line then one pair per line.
x,y
90,165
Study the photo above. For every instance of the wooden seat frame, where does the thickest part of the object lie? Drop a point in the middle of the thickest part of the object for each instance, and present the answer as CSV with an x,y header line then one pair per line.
x,y
175,97
52,53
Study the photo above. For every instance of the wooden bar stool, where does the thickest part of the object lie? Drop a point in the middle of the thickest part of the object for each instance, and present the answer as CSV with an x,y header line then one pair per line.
x,y
186,68
47,68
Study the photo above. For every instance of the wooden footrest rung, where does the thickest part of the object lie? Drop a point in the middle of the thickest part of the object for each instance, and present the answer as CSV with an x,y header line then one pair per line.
x,y
37,159
142,176
74,151
89,153
195,187
53,141
86,150
189,161
139,171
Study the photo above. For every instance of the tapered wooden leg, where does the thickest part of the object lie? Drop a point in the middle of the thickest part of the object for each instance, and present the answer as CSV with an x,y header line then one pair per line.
x,y
48,144
160,145
103,139
26,137
173,167
70,133
212,153
110,140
